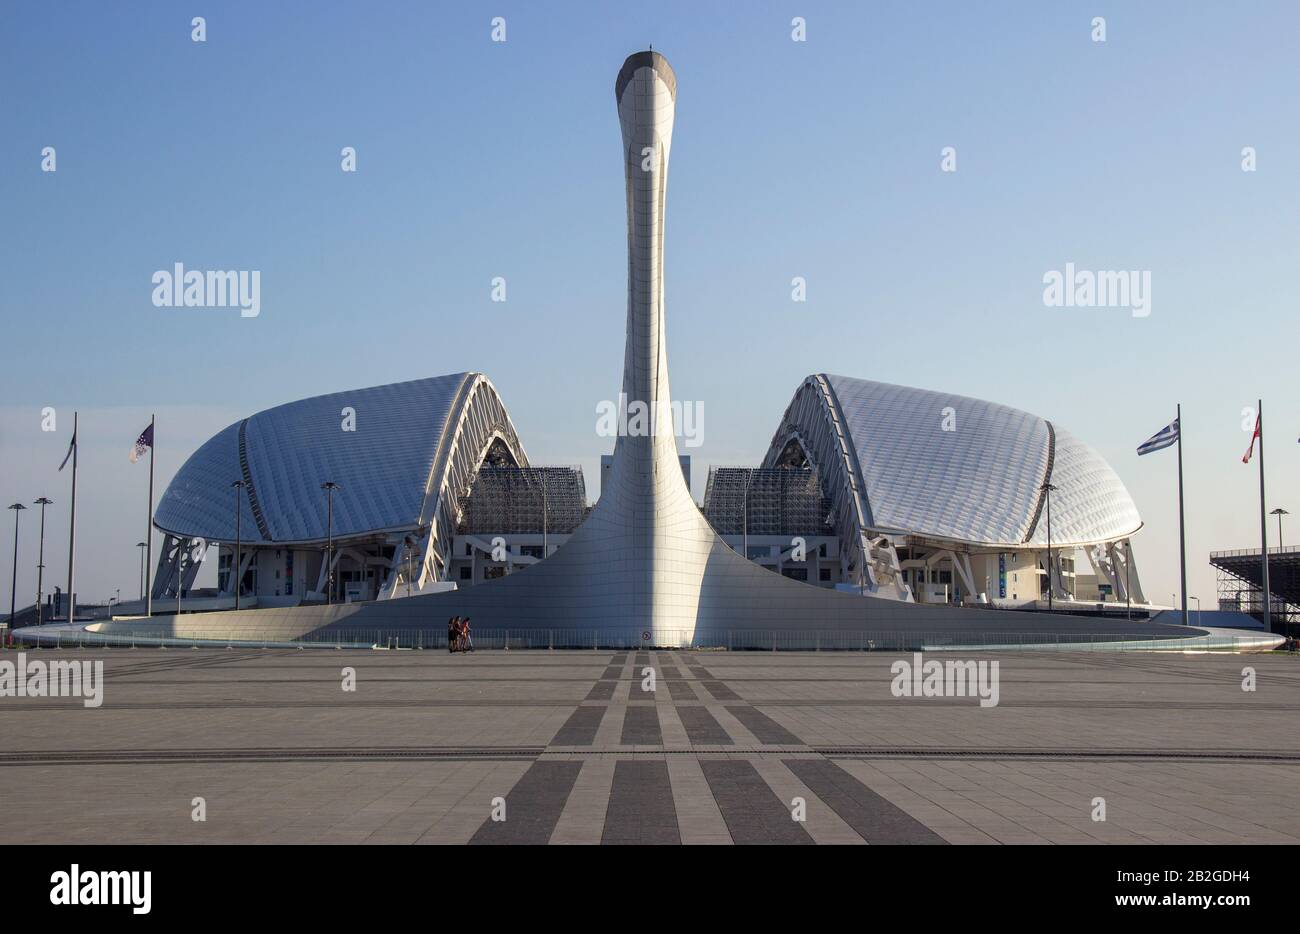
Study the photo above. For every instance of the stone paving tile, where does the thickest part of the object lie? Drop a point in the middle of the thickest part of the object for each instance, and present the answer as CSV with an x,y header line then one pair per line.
x,y
753,812
874,818
583,819
581,727
739,733
533,806
641,809
237,708
681,691
821,821
699,820
675,735
641,727
764,727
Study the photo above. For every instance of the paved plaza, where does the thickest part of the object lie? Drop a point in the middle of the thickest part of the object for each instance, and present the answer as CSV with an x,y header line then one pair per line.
x,y
572,749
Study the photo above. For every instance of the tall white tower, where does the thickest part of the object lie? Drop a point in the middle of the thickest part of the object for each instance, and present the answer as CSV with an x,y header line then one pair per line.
x,y
654,540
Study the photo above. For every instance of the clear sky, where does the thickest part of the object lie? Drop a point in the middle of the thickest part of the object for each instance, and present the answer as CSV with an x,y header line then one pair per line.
x,y
478,159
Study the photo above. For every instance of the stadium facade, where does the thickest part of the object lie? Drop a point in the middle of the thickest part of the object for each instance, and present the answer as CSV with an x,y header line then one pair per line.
x,y
901,502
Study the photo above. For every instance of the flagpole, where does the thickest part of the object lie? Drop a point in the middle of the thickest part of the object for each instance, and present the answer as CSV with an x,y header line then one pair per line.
x,y
1182,538
1263,518
148,526
72,532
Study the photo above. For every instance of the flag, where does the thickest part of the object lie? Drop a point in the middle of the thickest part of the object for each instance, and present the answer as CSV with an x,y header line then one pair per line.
x,y
1161,439
142,443
71,447
1251,450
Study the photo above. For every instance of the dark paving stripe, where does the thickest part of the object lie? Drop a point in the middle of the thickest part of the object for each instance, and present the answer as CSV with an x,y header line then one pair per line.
x,y
764,727
642,658
681,690
612,673
702,728
720,691
702,673
619,659
580,728
602,690
534,805
670,671
641,809
641,727
876,819
751,809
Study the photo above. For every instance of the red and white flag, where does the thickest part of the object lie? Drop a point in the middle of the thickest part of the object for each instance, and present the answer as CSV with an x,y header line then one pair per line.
x,y
1251,450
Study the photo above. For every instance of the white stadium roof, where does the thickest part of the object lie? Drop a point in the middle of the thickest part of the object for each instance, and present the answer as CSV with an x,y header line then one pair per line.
x,y
400,460
896,467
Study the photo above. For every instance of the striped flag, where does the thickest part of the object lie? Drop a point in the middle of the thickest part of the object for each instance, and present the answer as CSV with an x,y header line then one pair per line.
x,y
71,447
1245,459
1161,439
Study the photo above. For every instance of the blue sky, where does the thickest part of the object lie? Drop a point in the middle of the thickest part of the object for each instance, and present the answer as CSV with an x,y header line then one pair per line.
x,y
817,159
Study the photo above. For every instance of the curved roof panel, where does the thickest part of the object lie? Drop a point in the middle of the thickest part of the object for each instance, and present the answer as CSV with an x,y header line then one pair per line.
x,y
381,458
965,469
199,502
1090,503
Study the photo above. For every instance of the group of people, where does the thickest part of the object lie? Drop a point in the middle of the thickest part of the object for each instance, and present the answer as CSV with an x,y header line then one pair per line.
x,y
458,637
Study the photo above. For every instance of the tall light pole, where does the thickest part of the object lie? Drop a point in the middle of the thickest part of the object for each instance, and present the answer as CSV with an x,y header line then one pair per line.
x,y
1279,512
237,486
13,591
40,562
142,546
1048,488
330,487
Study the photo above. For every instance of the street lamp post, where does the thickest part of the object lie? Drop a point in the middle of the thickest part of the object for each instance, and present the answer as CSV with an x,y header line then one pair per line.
x,y
142,546
1198,608
237,486
13,590
330,487
1048,488
40,563
1279,512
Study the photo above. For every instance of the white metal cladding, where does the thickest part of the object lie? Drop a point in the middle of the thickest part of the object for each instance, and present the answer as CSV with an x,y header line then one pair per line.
x,y
406,443
199,502
1089,503
979,482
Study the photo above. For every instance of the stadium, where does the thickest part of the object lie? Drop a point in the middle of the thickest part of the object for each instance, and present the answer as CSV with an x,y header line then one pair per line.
x,y
435,492
880,516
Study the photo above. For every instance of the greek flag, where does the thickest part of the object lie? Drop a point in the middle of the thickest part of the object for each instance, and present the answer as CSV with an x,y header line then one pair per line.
x,y
1161,439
